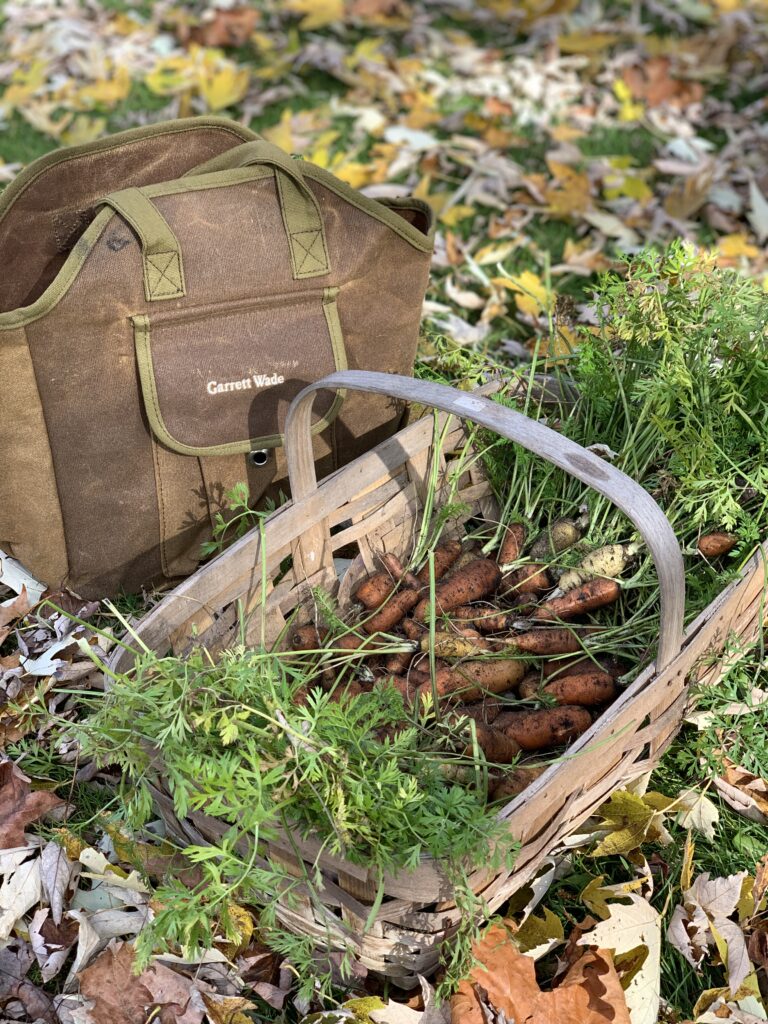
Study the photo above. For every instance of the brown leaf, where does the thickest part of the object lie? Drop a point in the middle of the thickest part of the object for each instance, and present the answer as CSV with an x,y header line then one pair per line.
x,y
12,612
15,960
119,997
653,83
589,993
19,806
227,27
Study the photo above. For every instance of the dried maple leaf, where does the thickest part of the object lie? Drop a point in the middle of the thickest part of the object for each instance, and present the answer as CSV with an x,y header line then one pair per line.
x,y
231,27
19,806
12,611
589,993
653,83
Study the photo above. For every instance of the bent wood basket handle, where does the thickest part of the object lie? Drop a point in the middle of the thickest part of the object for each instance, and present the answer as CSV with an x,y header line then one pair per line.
x,y
624,492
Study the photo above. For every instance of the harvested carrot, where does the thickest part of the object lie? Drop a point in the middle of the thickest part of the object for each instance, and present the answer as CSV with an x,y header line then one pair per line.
x,y
610,560
586,690
514,781
530,686
484,712
610,663
307,638
474,581
374,590
547,641
397,570
591,595
398,664
485,617
349,691
392,611
511,545
471,679
413,630
498,747
445,555
532,578
549,727
406,687
713,545
556,537
463,643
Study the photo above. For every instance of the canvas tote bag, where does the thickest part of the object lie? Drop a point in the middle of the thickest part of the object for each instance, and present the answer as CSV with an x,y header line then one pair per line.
x,y
164,294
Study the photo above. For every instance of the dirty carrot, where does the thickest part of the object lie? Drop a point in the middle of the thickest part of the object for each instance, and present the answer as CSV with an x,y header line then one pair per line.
x,y
307,638
586,690
374,590
445,555
392,611
511,545
547,641
462,643
549,727
471,679
497,746
556,537
513,782
532,578
610,663
610,560
486,618
712,545
474,581
397,570
591,595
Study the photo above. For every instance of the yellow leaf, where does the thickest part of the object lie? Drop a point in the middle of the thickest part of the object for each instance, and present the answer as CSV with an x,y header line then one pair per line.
x,y
106,93
731,248
538,931
362,1008
494,254
531,295
243,923
223,87
628,109
355,174
317,13
228,1009
171,76
84,129
686,871
281,134
633,186
571,194
73,845
437,201
454,214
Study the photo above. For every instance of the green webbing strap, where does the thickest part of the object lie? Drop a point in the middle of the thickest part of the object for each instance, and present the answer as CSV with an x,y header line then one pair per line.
x,y
163,267
298,205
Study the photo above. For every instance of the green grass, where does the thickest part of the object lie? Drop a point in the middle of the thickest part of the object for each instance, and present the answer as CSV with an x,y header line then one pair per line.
x,y
21,143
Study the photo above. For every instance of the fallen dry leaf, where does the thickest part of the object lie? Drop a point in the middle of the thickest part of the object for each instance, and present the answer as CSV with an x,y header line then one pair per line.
x,y
589,993
19,806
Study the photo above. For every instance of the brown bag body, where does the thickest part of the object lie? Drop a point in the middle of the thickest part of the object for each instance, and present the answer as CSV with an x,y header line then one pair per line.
x,y
151,339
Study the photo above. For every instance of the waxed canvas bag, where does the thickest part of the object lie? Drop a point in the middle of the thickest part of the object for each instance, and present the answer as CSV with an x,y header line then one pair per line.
x,y
164,294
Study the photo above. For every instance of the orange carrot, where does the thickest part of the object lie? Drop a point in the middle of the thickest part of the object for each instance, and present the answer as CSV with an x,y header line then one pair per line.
x,y
498,747
713,545
513,782
397,570
483,617
610,663
374,590
547,641
483,712
392,611
512,544
532,578
413,630
593,594
471,679
307,638
586,690
549,727
445,555
530,686
476,580
397,664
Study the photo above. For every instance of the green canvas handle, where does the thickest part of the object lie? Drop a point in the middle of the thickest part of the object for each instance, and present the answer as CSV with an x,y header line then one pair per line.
x,y
160,249
298,204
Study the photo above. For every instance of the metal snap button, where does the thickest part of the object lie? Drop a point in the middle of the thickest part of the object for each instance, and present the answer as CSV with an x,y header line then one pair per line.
x,y
259,457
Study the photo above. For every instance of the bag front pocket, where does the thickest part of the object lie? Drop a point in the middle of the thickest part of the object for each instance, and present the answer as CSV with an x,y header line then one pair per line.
x,y
219,380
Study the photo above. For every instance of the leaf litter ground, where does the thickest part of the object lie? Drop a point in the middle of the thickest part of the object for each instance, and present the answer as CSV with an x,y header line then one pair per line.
x,y
549,136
